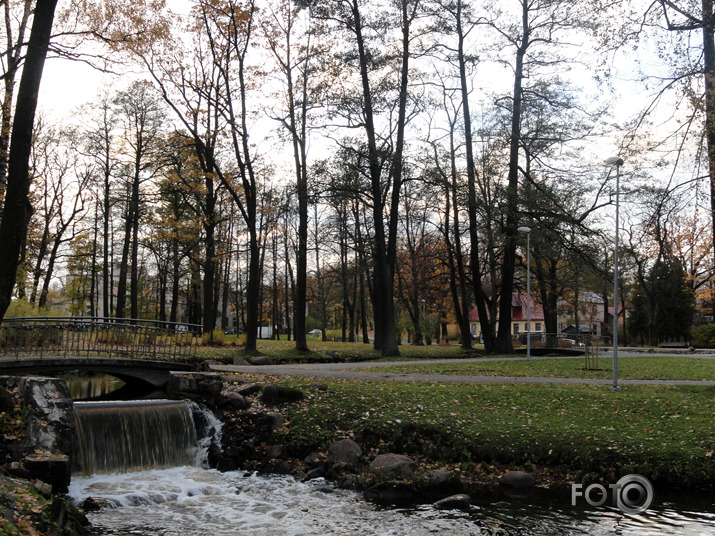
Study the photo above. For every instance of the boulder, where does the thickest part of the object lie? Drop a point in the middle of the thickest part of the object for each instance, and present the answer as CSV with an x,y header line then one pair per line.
x,y
439,483
49,415
194,385
517,480
6,402
53,469
276,421
276,451
235,401
396,492
259,360
459,501
316,472
277,467
346,451
240,361
276,394
394,465
248,389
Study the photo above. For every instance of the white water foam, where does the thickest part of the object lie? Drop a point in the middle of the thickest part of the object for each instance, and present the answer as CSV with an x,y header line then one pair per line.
x,y
195,501
192,501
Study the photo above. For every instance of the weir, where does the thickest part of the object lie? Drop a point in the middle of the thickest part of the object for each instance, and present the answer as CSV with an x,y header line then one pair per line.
x,y
119,437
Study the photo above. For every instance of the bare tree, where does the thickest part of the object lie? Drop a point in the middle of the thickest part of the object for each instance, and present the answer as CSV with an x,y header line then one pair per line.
x,y
17,209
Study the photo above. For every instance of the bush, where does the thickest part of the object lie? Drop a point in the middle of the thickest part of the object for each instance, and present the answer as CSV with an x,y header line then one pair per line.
x,y
219,338
21,308
703,336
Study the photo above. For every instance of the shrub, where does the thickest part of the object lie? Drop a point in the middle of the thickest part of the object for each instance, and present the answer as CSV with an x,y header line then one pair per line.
x,y
703,336
219,339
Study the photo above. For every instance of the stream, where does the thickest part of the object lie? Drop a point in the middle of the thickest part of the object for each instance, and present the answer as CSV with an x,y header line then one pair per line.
x,y
191,501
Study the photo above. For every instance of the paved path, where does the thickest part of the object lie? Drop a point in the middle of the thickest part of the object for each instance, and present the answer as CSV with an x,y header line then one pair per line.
x,y
371,371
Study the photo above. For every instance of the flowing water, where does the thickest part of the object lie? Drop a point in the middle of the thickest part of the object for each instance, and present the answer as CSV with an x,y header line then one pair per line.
x,y
131,435
128,449
191,501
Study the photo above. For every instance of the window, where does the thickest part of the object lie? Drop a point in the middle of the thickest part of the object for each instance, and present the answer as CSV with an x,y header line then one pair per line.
x,y
537,326
516,328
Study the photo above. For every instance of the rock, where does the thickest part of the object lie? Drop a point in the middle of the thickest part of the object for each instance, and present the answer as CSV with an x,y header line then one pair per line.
x,y
276,421
316,472
205,366
49,414
225,465
17,470
321,386
90,504
346,451
440,483
261,360
194,385
313,459
6,403
394,465
276,451
43,488
459,501
235,401
53,469
395,492
338,470
517,480
277,467
240,361
248,389
276,394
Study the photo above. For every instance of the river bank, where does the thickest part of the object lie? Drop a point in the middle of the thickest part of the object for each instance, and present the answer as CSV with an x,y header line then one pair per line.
x,y
561,433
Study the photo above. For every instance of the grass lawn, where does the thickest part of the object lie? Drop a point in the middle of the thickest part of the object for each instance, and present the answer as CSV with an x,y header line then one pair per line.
x,y
284,351
630,368
584,432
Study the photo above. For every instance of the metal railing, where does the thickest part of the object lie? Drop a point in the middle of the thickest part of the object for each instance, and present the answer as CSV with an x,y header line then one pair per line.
x,y
95,336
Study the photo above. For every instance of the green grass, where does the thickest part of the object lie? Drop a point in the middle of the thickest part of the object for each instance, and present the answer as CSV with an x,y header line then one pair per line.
x,y
632,368
585,432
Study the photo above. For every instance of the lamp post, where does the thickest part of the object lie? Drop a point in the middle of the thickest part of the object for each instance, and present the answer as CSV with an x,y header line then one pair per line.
x,y
527,231
617,162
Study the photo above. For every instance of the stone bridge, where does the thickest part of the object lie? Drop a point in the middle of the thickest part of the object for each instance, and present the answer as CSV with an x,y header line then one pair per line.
x,y
131,371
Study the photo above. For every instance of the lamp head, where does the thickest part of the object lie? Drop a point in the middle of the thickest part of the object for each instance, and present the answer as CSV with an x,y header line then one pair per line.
x,y
614,161
524,229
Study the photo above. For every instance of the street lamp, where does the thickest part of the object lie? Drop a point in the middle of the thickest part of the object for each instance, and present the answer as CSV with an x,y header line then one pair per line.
x,y
527,231
617,162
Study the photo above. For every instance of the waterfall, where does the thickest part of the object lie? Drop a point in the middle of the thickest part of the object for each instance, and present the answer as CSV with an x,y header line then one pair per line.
x,y
118,437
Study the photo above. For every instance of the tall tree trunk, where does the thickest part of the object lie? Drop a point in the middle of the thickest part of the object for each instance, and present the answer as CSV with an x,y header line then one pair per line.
x,y
209,218
93,266
17,209
12,59
42,302
709,78
134,273
175,281
503,343
476,272
123,267
319,277
253,289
